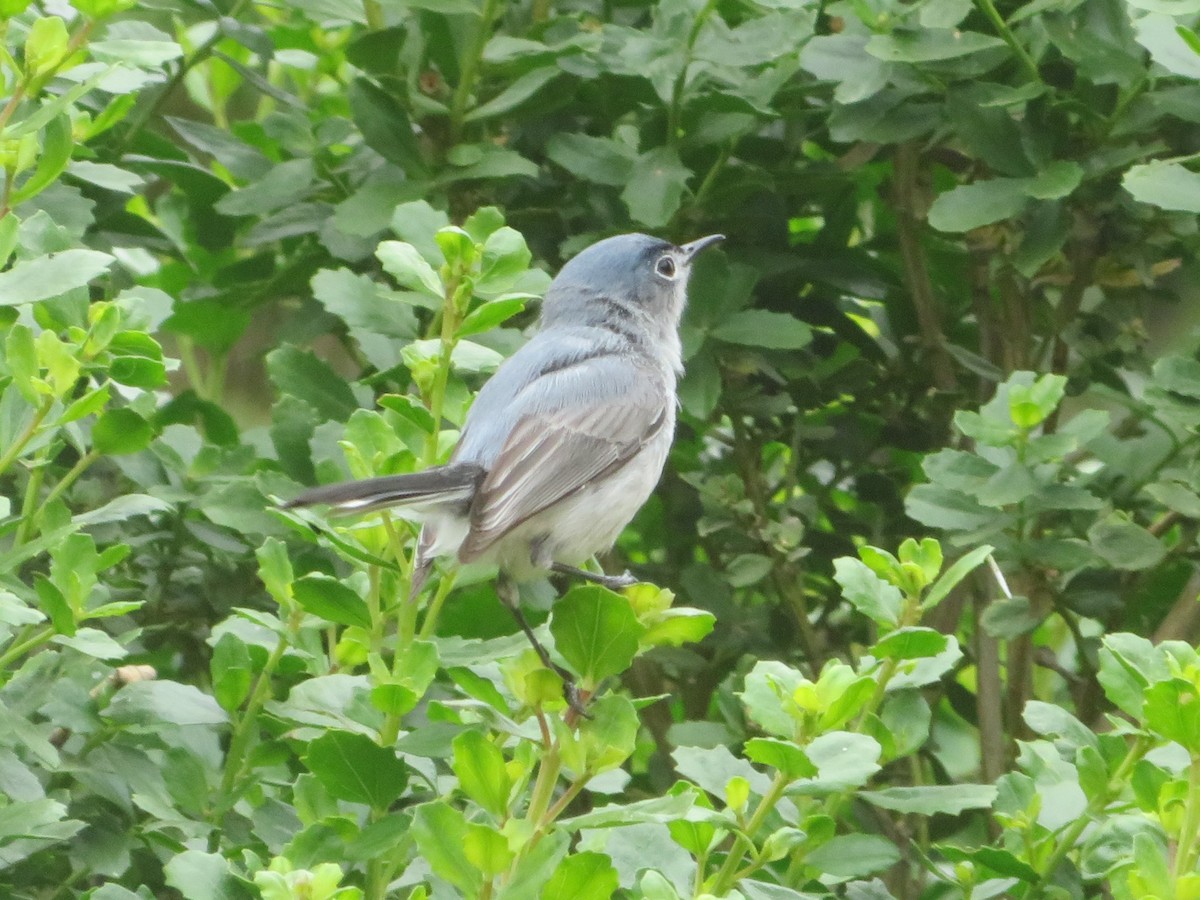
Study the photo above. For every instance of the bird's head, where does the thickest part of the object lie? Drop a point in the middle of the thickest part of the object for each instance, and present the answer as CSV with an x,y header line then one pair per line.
x,y
642,273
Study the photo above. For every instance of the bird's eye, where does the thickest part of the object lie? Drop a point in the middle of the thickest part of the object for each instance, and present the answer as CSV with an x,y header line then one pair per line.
x,y
666,267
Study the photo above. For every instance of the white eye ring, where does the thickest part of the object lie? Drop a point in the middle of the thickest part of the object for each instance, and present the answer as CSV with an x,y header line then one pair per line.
x,y
666,267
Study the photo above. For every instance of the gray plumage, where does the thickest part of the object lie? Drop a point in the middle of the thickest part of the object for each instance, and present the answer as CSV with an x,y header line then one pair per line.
x,y
568,438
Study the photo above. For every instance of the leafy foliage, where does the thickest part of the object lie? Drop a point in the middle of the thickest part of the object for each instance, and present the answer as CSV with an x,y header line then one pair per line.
x,y
930,516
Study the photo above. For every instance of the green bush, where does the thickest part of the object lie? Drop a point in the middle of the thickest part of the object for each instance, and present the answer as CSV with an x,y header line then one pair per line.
x,y
921,576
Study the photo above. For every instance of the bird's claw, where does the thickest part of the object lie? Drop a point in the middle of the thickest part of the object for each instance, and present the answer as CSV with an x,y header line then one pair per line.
x,y
575,700
619,582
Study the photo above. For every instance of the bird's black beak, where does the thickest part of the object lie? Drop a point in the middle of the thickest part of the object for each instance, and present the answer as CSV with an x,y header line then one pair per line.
x,y
690,250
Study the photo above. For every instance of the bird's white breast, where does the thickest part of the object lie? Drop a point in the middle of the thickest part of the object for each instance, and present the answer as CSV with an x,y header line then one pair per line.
x,y
590,520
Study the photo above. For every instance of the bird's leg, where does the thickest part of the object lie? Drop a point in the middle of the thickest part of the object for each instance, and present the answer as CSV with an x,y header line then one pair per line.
x,y
506,590
612,582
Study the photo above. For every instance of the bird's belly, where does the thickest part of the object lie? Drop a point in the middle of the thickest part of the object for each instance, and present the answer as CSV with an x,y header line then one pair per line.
x,y
589,521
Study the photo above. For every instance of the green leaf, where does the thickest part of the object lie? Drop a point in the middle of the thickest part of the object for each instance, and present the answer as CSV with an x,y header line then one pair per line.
x,y
275,571
409,409
1056,180
1009,617
211,323
962,567
364,305
121,431
481,772
694,837
404,263
593,159
92,642
655,886
596,632
906,716
679,626
1012,483
471,161
927,554
1152,866
1128,665
767,696
107,176
285,184
1169,7
113,891
487,849
841,695
1125,545
385,125
206,876
853,855
605,740
457,246
10,227
299,373
515,94
117,608
20,352
583,876
416,223
331,600
762,328
655,187
158,702
29,826
1031,404
536,866
1166,185
1160,35
148,54
138,371
52,275
929,46
1054,721
353,767
57,145
55,605
232,671
971,206
910,643
867,592
440,832
491,314
939,507
785,756
505,258
1172,709
951,799
844,760
661,810
1002,862
483,223
137,360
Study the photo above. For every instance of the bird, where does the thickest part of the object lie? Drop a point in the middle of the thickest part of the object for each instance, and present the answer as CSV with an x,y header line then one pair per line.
x,y
566,440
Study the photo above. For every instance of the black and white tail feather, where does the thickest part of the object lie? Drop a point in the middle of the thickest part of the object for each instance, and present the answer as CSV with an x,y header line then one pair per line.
x,y
442,486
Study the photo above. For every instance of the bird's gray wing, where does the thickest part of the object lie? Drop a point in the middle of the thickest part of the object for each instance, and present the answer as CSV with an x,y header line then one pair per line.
x,y
576,429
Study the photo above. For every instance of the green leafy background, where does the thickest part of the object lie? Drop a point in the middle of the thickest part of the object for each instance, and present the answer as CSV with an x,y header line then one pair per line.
x,y
920,604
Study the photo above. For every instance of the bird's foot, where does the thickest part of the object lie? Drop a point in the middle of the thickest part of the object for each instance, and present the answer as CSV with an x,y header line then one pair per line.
x,y
618,582
576,700
611,582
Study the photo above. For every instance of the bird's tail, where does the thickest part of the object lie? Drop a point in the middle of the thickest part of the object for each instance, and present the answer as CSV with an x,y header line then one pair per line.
x,y
441,486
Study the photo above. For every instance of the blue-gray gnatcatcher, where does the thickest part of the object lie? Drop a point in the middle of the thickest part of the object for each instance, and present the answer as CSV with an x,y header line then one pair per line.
x,y
567,440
